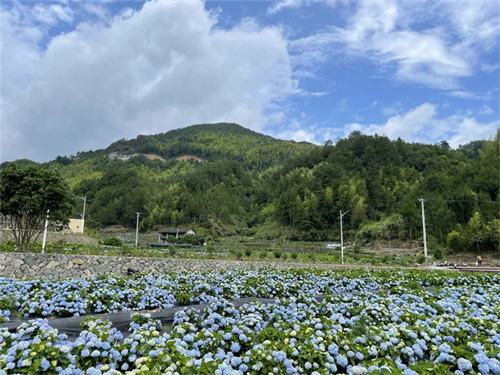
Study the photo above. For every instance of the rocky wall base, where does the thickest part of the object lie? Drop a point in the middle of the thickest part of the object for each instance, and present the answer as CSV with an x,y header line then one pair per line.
x,y
58,266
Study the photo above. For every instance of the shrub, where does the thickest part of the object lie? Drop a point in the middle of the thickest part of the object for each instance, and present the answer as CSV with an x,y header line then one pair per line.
x,y
211,250
368,260
191,239
172,249
294,255
355,257
360,326
36,247
200,231
335,258
438,253
284,256
357,247
6,302
455,242
91,233
263,254
386,259
8,246
420,259
414,285
277,253
248,252
238,254
311,257
386,229
59,245
113,241
183,298
126,250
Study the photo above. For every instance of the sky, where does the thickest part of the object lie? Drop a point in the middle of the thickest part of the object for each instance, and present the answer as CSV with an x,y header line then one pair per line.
x,y
79,75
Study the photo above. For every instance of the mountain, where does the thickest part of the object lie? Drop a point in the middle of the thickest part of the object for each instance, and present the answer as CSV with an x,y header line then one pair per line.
x,y
225,179
210,142
217,161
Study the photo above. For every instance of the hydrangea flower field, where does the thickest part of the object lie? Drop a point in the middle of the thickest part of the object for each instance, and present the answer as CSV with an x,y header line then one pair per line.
x,y
371,322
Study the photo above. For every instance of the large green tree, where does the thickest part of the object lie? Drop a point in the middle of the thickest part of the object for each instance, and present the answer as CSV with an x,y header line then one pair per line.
x,y
27,194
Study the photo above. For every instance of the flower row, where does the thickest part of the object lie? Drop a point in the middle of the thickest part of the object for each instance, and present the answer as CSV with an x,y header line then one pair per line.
x,y
451,327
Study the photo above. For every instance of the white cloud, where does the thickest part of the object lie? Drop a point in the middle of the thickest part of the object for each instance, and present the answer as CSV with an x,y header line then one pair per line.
x,y
341,105
470,95
421,124
486,110
51,14
373,105
468,129
297,130
476,23
284,4
392,109
164,66
63,13
299,135
389,111
96,9
487,68
390,34
316,94
319,94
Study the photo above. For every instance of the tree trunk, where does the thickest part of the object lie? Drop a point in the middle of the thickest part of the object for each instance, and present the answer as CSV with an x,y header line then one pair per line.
x,y
25,228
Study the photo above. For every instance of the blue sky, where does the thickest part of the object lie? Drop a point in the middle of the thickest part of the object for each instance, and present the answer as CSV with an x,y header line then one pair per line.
x,y
80,75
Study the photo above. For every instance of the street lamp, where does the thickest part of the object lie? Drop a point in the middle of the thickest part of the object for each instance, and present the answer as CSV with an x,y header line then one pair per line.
x,y
83,215
342,235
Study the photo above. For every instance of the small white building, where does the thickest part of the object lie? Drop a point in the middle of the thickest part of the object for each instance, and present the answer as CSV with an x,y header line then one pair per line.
x,y
76,225
73,226
176,232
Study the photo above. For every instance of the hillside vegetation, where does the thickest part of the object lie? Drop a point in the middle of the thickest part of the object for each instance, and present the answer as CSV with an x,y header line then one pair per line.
x,y
252,184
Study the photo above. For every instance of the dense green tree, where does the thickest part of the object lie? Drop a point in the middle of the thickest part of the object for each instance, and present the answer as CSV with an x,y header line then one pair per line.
x,y
411,217
27,195
477,235
236,180
455,242
476,231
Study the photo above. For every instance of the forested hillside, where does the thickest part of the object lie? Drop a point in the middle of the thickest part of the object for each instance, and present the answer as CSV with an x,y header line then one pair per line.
x,y
253,184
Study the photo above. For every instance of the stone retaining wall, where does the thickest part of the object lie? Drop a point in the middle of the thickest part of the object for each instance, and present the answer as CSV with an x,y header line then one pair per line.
x,y
6,235
56,266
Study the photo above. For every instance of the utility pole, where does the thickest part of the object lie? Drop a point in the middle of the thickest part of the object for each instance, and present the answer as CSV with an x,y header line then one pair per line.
x,y
83,215
45,231
422,200
137,229
342,235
